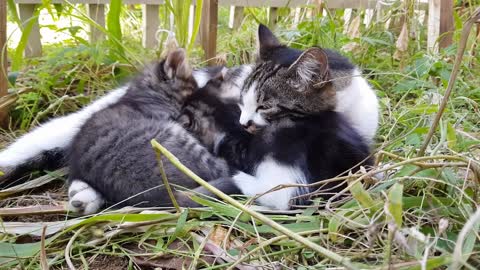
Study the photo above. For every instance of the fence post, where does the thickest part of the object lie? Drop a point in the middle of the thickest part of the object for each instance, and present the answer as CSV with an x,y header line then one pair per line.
x,y
150,24
440,24
208,31
3,59
446,23
34,45
96,12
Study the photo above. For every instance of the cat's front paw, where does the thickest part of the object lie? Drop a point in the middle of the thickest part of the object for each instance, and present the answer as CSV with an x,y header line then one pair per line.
x,y
83,199
184,199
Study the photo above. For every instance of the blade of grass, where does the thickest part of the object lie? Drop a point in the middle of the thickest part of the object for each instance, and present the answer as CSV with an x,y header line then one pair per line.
x,y
17,59
466,241
196,24
266,220
395,204
113,25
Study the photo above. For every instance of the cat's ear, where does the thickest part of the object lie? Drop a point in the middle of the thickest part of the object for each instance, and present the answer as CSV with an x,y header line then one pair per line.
x,y
266,39
311,68
220,76
176,65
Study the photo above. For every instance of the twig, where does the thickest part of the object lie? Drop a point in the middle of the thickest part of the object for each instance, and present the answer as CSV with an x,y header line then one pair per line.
x,y
43,252
69,247
321,250
165,179
34,210
453,77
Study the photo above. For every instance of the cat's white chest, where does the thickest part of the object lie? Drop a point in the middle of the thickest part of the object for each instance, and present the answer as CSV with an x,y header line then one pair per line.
x,y
268,175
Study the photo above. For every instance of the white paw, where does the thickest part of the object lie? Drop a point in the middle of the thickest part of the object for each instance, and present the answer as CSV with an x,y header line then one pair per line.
x,y
83,199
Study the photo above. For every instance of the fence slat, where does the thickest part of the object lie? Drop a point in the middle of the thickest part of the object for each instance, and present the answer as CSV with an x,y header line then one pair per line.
x,y
3,51
150,24
209,29
105,2
300,3
272,17
446,23
236,17
97,14
440,24
3,61
34,46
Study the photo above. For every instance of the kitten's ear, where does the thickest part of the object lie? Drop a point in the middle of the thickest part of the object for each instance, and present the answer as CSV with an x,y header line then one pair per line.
x,y
176,65
221,74
266,39
311,68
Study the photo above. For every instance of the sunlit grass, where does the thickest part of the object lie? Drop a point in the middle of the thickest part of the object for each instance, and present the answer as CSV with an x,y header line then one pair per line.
x,y
423,214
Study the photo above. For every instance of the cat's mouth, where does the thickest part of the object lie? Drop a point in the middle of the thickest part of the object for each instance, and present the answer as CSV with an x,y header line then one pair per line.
x,y
251,128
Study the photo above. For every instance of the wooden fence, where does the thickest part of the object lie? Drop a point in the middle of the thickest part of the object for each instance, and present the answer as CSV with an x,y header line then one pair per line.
x,y
440,19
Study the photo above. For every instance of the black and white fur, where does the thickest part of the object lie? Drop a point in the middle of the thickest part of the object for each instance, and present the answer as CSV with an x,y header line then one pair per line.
x,y
353,97
112,153
292,96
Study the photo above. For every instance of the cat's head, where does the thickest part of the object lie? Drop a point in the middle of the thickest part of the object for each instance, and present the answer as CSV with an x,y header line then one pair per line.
x,y
171,75
232,79
285,82
212,109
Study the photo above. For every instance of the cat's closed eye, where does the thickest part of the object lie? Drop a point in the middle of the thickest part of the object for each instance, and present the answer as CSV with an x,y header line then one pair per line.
x,y
260,108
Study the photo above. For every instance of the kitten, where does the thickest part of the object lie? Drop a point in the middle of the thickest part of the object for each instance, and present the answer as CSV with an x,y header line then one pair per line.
x,y
292,79
44,148
111,158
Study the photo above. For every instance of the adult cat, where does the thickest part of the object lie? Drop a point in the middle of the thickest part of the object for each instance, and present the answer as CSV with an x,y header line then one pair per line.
x,y
292,149
348,94
317,119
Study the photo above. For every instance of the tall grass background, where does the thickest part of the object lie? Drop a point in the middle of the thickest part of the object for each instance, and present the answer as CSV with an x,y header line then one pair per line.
x,y
422,214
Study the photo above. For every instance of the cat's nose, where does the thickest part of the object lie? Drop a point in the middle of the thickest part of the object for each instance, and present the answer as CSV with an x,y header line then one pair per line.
x,y
250,127
248,124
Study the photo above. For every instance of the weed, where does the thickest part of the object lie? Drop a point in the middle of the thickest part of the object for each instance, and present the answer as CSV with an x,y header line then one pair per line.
x,y
422,214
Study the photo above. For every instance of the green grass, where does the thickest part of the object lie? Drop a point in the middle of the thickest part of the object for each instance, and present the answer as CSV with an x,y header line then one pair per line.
x,y
422,215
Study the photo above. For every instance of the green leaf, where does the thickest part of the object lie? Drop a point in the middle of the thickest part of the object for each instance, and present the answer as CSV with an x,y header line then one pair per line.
x,y
17,58
113,25
413,139
333,228
432,263
362,196
451,136
395,205
180,228
221,208
13,13
424,109
59,9
12,252
196,23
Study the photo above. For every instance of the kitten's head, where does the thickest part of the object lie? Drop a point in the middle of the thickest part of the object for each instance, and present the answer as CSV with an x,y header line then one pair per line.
x,y
285,82
232,79
211,110
172,75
